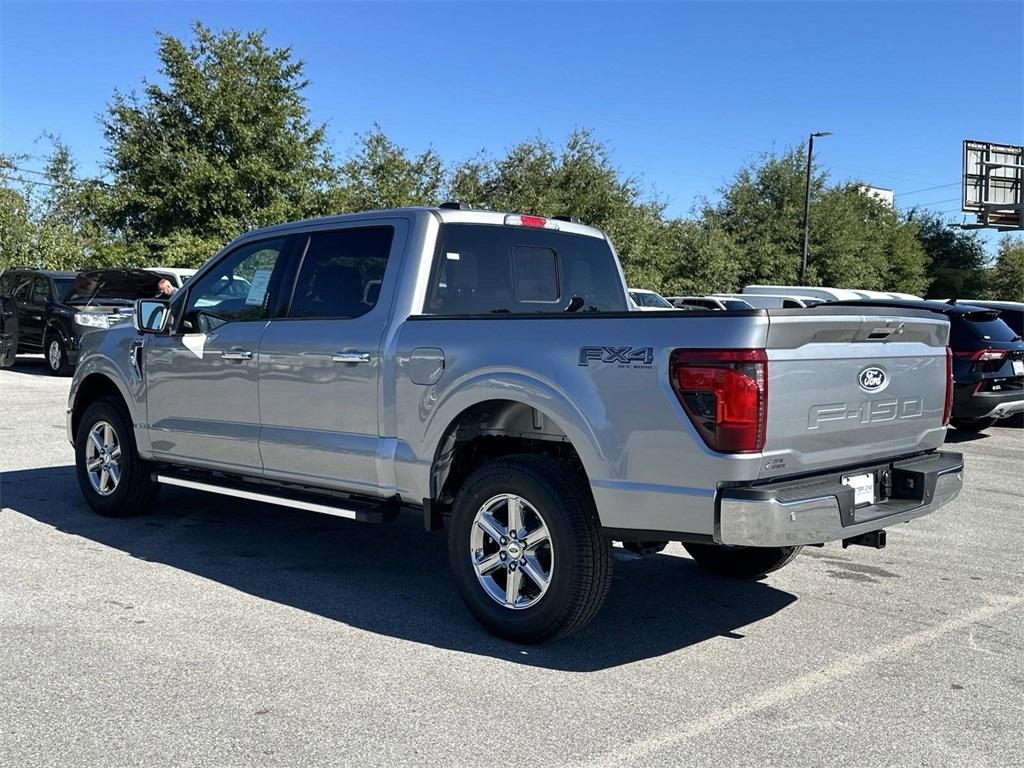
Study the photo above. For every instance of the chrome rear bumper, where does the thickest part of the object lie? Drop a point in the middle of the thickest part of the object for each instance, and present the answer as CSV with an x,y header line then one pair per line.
x,y
821,509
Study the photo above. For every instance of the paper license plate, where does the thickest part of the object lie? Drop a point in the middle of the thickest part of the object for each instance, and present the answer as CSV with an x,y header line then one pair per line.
x,y
1018,367
863,488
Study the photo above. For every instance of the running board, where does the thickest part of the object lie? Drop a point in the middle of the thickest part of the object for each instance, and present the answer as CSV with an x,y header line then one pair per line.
x,y
364,513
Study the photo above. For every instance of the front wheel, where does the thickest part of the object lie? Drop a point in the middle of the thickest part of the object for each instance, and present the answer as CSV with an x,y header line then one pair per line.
x,y
741,562
57,356
526,549
113,479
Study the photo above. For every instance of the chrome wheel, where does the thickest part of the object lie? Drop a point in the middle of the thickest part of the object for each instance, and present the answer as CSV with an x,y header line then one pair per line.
x,y
103,458
511,551
53,354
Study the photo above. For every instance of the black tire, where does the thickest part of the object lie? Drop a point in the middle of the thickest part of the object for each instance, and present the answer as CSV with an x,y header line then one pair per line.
x,y
741,562
973,425
8,333
582,564
135,490
56,353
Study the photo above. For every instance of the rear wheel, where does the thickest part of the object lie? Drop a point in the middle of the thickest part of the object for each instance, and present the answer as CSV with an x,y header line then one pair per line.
x,y
57,356
526,549
113,479
973,425
741,562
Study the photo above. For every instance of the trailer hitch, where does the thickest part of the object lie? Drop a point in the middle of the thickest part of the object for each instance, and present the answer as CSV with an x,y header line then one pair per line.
x,y
875,540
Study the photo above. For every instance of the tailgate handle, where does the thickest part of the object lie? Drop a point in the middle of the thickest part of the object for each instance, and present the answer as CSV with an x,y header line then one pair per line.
x,y
884,333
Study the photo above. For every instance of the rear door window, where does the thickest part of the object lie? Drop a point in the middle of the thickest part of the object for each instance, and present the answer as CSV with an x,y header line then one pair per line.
x,y
341,273
41,291
495,269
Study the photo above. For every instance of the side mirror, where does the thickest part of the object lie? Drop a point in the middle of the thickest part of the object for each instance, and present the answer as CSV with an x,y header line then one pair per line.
x,y
151,315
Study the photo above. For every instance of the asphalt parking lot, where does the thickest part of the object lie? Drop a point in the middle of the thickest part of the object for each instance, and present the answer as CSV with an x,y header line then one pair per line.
x,y
217,633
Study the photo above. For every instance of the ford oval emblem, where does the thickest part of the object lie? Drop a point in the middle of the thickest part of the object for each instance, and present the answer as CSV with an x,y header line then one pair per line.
x,y
872,379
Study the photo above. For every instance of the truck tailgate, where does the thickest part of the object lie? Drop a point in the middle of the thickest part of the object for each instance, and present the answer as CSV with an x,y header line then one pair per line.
x,y
848,386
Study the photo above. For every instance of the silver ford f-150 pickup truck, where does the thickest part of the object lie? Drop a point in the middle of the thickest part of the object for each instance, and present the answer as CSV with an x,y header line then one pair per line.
x,y
484,369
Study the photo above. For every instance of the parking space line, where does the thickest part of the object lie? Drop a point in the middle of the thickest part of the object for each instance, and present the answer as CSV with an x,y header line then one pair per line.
x,y
637,752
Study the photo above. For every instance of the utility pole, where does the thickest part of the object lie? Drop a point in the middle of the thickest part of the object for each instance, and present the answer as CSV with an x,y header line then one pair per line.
x,y
807,200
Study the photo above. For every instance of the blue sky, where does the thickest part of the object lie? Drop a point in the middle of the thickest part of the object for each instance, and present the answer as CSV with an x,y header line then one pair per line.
x,y
683,93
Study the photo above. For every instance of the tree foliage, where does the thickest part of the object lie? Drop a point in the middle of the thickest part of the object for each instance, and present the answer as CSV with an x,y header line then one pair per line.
x,y
1006,281
381,174
225,145
955,258
856,241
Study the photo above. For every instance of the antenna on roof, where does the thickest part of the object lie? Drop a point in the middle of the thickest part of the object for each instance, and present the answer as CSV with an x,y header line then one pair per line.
x,y
456,205
570,219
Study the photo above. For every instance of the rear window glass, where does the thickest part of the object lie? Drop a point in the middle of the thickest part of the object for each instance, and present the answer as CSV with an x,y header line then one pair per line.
x,y
980,327
484,269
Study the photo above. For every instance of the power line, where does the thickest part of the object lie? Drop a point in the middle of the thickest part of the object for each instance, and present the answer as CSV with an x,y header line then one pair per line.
x,y
937,202
929,189
26,181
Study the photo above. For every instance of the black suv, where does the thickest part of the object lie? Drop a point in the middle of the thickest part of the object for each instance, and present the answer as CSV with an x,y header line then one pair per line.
x,y
44,311
988,361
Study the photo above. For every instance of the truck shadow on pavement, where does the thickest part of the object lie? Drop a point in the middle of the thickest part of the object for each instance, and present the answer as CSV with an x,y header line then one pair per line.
x,y
392,579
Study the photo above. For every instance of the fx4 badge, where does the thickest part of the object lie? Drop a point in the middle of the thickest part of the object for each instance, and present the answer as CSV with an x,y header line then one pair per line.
x,y
621,357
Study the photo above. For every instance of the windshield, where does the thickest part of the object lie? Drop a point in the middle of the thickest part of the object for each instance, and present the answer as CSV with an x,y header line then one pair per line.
x,y
120,286
735,304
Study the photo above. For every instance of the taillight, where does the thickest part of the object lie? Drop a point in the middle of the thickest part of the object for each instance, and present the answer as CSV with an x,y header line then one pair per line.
x,y
980,355
522,220
947,410
725,394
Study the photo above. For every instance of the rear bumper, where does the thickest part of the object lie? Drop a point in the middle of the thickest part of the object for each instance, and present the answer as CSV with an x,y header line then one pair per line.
x,y
820,509
968,405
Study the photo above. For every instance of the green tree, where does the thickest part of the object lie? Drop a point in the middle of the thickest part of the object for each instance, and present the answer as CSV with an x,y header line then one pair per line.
x,y
577,179
1006,280
856,241
226,145
761,210
17,230
955,258
382,175
702,256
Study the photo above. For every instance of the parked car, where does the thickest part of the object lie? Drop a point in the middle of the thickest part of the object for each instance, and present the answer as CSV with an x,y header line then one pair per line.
x,y
33,310
176,275
825,293
648,301
498,383
55,309
987,362
708,302
766,301
1010,312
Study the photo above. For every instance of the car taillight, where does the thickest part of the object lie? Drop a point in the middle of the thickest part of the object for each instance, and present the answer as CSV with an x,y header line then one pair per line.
x,y
980,355
725,394
522,220
947,410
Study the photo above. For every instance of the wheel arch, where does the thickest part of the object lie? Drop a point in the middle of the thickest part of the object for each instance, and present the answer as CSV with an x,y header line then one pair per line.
x,y
495,427
92,388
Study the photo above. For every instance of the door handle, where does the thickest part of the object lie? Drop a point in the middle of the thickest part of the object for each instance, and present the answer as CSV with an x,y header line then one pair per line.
x,y
351,357
236,354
